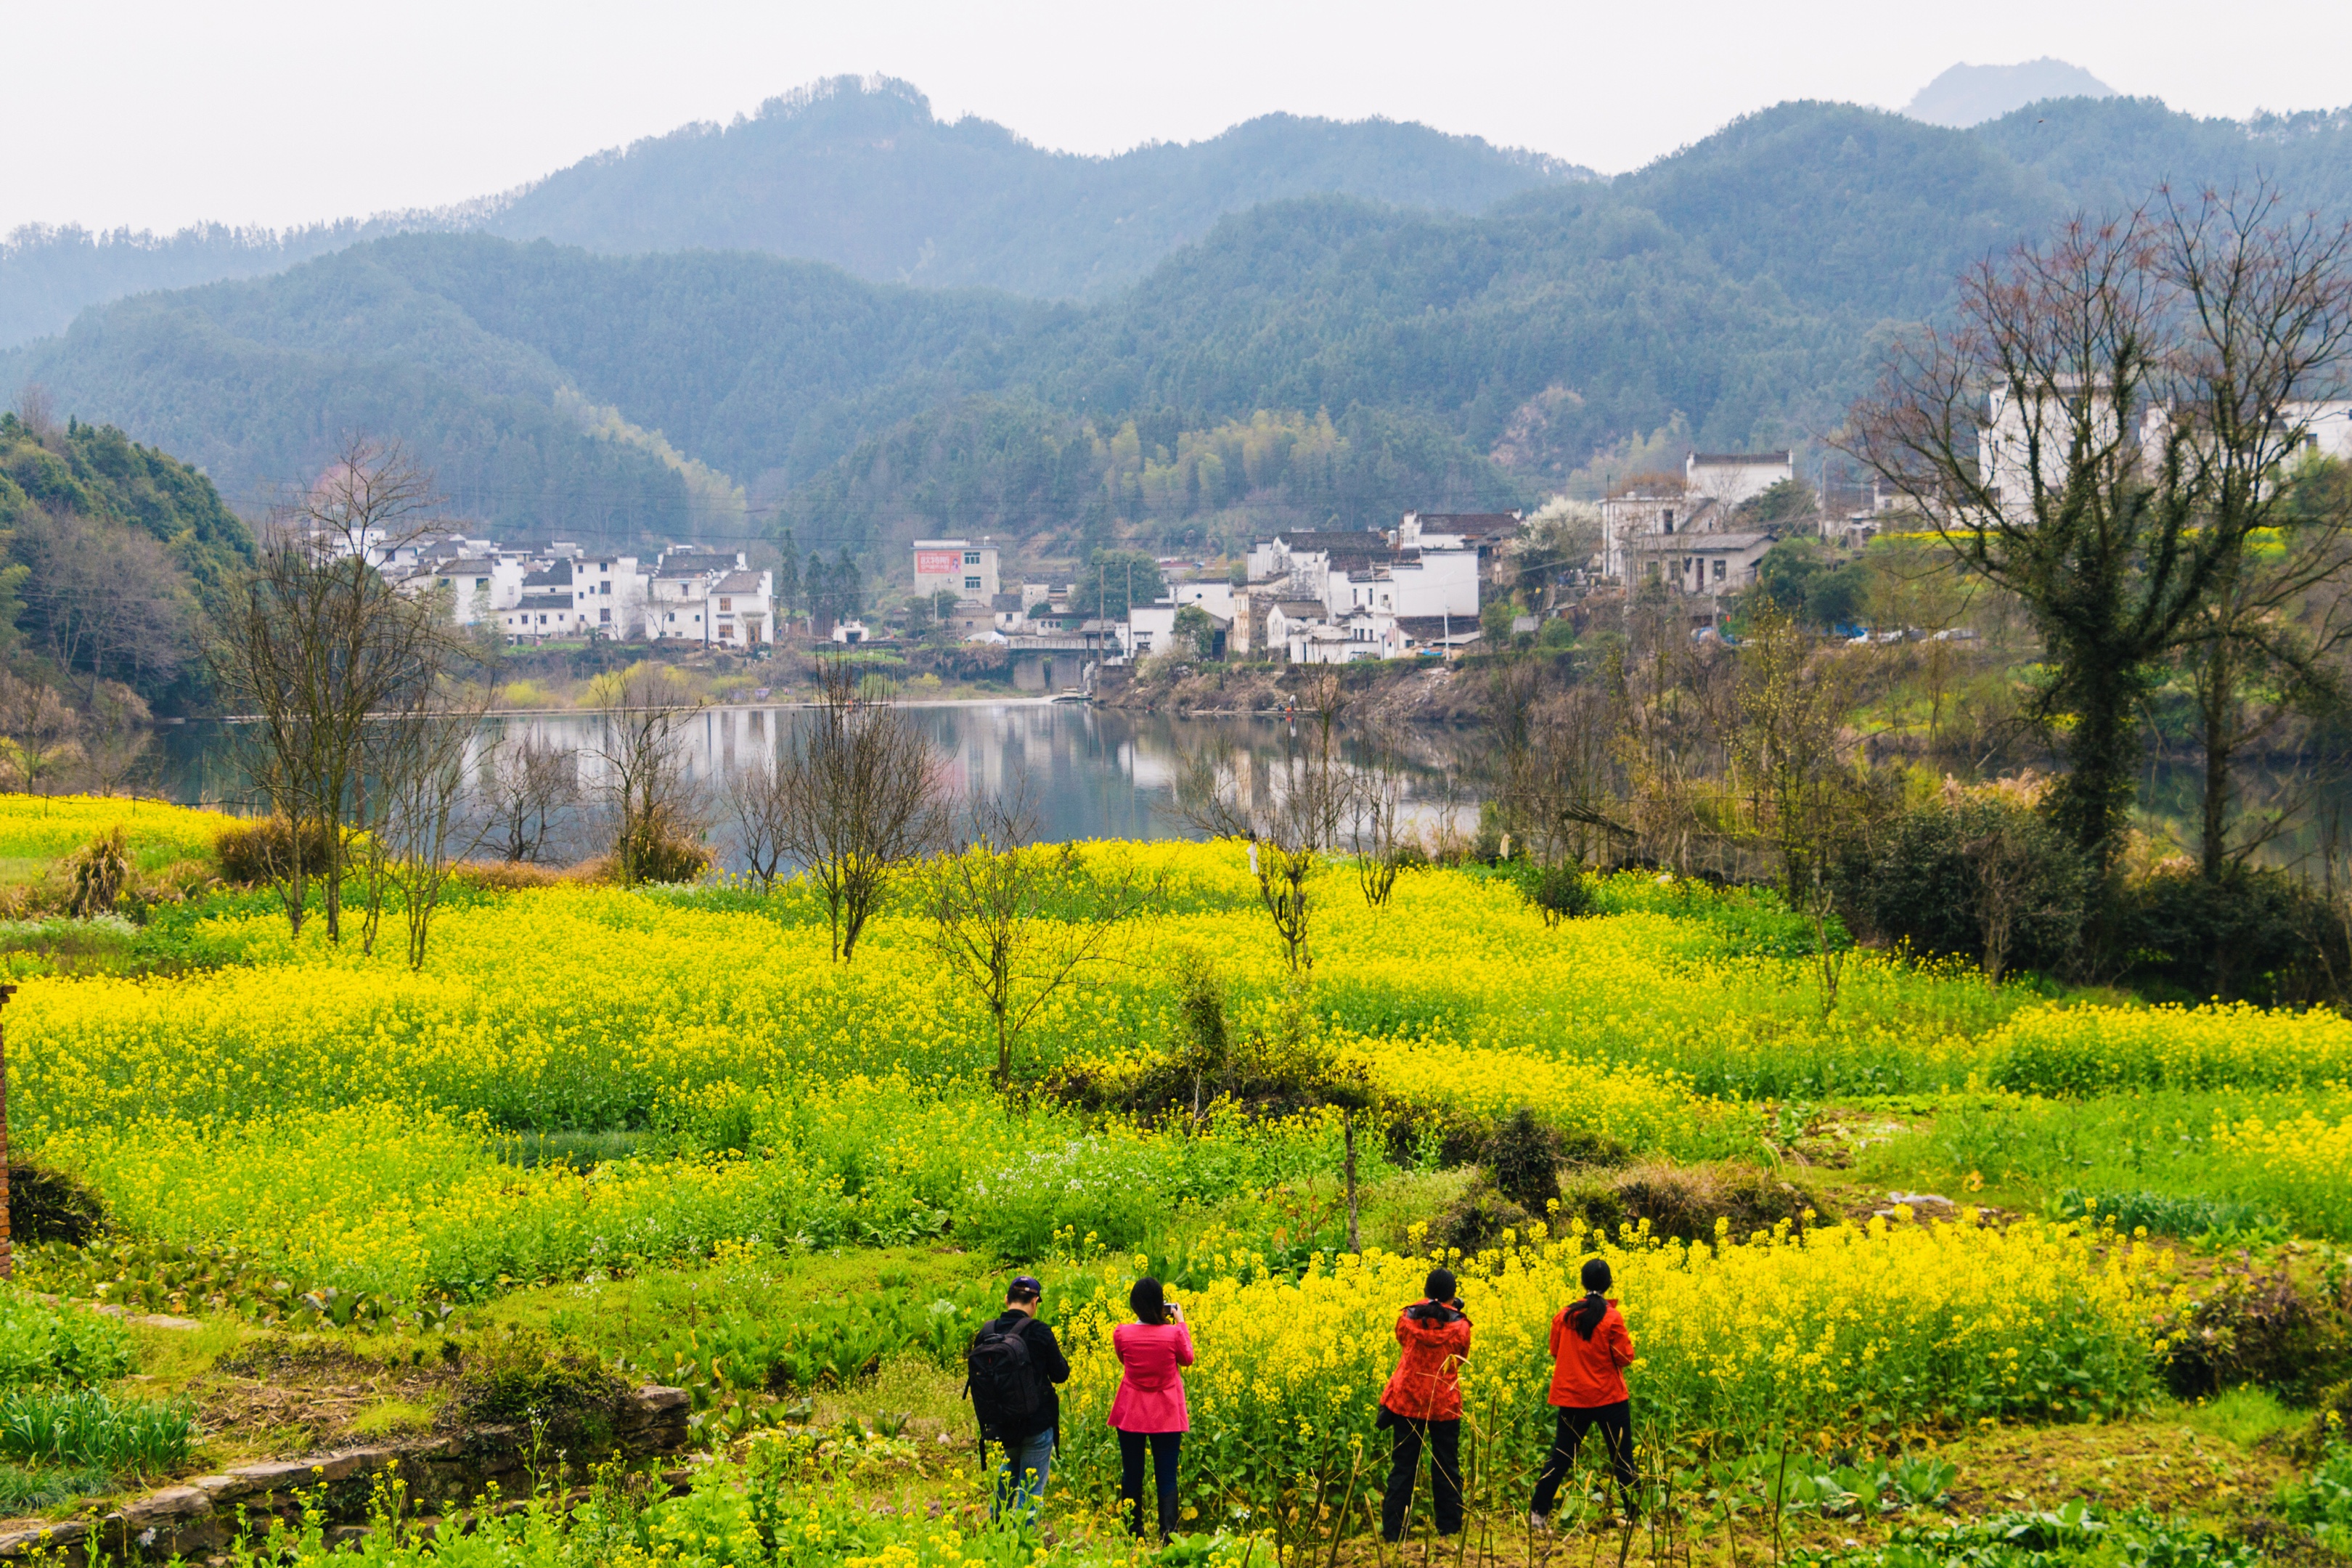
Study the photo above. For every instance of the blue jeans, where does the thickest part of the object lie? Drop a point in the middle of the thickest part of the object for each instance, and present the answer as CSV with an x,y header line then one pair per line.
x,y
1022,1482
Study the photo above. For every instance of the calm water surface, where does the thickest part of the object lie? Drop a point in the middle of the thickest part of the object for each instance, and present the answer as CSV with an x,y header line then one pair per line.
x,y
1090,773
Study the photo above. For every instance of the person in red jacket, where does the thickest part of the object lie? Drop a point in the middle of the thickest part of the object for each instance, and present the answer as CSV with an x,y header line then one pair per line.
x,y
1149,1408
1590,1350
1423,1404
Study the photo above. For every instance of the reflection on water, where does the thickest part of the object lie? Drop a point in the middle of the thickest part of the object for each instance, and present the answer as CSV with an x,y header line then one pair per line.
x,y
1090,773
1105,772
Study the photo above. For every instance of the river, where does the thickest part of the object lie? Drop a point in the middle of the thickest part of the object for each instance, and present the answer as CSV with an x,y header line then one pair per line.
x,y
1107,772
1090,773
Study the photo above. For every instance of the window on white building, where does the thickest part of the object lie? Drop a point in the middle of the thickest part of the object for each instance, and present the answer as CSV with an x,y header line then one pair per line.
x,y
1720,567
971,557
727,605
972,584
606,615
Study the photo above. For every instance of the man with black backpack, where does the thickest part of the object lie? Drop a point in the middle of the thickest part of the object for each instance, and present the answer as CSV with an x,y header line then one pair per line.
x,y
1011,1368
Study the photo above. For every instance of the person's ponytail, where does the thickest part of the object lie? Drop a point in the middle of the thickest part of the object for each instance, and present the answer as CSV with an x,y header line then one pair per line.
x,y
1585,1316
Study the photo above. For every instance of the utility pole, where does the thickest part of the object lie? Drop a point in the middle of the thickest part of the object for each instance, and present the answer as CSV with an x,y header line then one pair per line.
x,y
8,1246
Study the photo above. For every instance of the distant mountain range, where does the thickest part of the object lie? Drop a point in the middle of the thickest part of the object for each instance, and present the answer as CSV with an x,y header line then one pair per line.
x,y
1297,321
854,172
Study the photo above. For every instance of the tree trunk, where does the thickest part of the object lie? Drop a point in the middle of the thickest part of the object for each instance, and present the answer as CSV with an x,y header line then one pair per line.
x,y
7,1232
1348,1131
2213,700
2094,801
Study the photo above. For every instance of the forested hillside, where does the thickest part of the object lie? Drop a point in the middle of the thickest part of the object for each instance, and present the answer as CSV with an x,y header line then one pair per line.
x,y
859,174
862,176
112,548
1736,294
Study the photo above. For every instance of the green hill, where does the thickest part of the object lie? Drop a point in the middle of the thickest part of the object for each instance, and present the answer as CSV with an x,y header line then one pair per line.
x,y
1733,295
858,174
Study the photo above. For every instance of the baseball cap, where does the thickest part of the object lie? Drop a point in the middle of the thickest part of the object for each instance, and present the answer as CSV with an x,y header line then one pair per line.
x,y
1024,1287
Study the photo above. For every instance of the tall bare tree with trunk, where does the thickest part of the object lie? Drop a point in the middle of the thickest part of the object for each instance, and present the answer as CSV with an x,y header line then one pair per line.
x,y
1016,920
425,829
2270,295
2101,436
863,798
643,780
1285,812
528,783
325,663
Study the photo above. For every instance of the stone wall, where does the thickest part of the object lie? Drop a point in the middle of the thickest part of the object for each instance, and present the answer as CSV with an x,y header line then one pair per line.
x,y
444,1476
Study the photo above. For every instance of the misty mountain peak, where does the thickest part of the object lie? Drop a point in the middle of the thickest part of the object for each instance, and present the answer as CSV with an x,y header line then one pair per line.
x,y
1969,95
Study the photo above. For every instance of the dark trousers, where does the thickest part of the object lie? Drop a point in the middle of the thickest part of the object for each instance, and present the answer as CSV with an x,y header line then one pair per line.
x,y
1163,1476
1616,1424
1445,1439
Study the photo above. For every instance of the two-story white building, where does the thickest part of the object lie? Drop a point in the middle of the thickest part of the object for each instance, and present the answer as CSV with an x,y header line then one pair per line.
x,y
959,566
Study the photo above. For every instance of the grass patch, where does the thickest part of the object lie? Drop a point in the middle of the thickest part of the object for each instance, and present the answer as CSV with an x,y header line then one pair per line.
x,y
33,1488
2244,1416
389,1415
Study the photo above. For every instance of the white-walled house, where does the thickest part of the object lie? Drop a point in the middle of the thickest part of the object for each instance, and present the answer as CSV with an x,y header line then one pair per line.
x,y
545,616
1147,629
962,567
678,601
478,589
1214,596
740,610
1729,479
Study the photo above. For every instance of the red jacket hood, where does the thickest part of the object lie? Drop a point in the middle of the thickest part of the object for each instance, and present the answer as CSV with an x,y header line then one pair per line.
x,y
1427,1382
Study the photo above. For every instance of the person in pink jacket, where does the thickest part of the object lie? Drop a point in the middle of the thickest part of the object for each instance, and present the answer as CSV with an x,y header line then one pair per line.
x,y
1149,1408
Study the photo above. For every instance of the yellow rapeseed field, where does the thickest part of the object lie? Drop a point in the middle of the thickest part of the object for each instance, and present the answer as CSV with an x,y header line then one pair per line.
x,y
1881,1329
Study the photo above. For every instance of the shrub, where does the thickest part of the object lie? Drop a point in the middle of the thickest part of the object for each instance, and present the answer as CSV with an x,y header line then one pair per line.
x,y
41,1343
2256,1325
1562,893
1926,882
2255,934
256,852
46,1206
517,1379
1522,1159
1685,1202
1478,1220
99,872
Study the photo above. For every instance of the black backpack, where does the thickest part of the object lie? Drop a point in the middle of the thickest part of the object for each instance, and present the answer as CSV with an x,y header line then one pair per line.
x,y
999,1377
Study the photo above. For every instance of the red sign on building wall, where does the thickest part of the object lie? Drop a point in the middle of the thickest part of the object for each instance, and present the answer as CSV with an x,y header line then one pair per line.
x,y
937,563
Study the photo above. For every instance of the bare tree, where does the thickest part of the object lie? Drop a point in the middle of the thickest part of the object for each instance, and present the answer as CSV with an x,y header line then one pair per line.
x,y
103,599
38,733
861,798
1563,536
757,807
529,781
1016,920
423,831
2271,304
316,650
2099,436
120,728
1376,813
1786,748
1285,812
647,791
38,412
1552,766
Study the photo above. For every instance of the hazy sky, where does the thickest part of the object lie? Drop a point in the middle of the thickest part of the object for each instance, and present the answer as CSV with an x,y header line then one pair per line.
x,y
259,111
